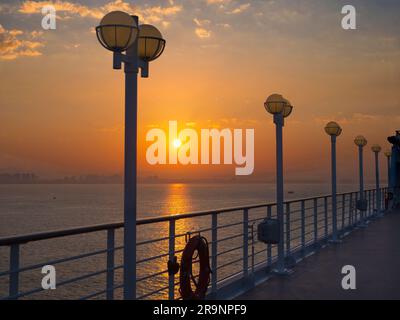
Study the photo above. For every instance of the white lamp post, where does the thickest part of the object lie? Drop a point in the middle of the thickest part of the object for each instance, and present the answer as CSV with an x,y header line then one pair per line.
x,y
376,149
119,32
388,155
361,142
334,130
280,108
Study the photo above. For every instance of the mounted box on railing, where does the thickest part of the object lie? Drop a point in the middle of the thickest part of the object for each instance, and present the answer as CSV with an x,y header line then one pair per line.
x,y
268,231
362,205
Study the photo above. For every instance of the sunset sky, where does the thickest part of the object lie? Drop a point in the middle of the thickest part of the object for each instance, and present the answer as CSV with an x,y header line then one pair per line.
x,y
62,107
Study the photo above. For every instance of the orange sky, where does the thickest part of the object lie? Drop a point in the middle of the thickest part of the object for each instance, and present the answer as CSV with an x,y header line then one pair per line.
x,y
62,109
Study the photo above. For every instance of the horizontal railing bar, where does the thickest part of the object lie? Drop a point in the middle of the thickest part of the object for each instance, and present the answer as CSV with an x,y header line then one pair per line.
x,y
230,238
229,263
152,275
93,295
58,234
85,276
153,292
58,261
152,258
229,250
151,241
224,226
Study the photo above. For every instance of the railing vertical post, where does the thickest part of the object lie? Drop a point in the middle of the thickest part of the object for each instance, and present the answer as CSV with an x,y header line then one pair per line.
x,y
351,210
246,242
343,210
269,246
288,229
370,209
110,264
303,225
326,216
171,254
374,199
378,190
14,271
360,152
315,220
214,239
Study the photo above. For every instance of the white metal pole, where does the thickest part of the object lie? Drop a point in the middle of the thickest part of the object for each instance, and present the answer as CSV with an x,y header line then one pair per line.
x,y
334,203
378,193
279,122
131,73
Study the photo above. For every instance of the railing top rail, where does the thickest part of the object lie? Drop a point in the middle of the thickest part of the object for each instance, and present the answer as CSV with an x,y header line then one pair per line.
x,y
21,239
7,241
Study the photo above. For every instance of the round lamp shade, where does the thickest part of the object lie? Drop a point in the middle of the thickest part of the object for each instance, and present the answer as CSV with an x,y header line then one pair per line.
x,y
287,109
333,129
376,148
388,154
360,141
117,31
275,103
151,43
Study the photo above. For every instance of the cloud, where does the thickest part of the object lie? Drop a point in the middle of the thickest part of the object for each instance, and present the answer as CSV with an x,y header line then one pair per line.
x,y
16,43
202,31
220,2
147,14
240,9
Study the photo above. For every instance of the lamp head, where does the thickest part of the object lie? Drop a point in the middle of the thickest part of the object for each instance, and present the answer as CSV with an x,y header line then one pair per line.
x,y
333,129
275,104
388,154
376,148
151,43
117,31
360,141
287,109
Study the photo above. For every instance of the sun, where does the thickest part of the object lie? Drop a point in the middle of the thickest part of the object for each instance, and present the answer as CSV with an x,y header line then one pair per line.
x,y
177,143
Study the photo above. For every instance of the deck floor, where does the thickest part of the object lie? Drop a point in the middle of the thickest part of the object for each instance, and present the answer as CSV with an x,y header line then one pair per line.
x,y
373,251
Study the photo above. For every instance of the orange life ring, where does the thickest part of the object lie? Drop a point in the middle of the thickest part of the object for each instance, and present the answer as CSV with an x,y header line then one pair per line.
x,y
199,244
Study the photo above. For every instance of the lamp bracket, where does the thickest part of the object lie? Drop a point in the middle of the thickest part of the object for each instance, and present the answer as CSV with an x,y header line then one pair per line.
x,y
120,58
144,68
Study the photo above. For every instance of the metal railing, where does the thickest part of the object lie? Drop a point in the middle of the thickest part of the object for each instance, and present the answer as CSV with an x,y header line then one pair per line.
x,y
237,258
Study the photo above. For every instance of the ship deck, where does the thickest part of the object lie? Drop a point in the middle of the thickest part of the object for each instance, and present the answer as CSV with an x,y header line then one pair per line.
x,y
373,251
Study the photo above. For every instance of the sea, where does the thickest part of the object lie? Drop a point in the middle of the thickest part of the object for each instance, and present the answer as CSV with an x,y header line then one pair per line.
x,y
32,208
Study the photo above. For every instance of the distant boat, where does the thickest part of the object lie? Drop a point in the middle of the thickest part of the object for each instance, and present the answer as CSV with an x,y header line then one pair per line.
x,y
290,192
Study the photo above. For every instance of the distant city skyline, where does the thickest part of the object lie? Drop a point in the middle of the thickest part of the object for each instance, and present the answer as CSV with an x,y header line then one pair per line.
x,y
31,177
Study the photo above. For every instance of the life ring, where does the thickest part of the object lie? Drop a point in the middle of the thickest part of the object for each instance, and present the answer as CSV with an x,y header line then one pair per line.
x,y
199,244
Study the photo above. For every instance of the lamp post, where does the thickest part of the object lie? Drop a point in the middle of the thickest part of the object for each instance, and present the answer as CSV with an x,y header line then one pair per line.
x,y
334,130
388,155
361,142
376,149
280,108
120,32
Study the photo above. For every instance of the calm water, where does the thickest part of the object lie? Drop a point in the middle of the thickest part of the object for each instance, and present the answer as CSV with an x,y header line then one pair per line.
x,y
34,208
